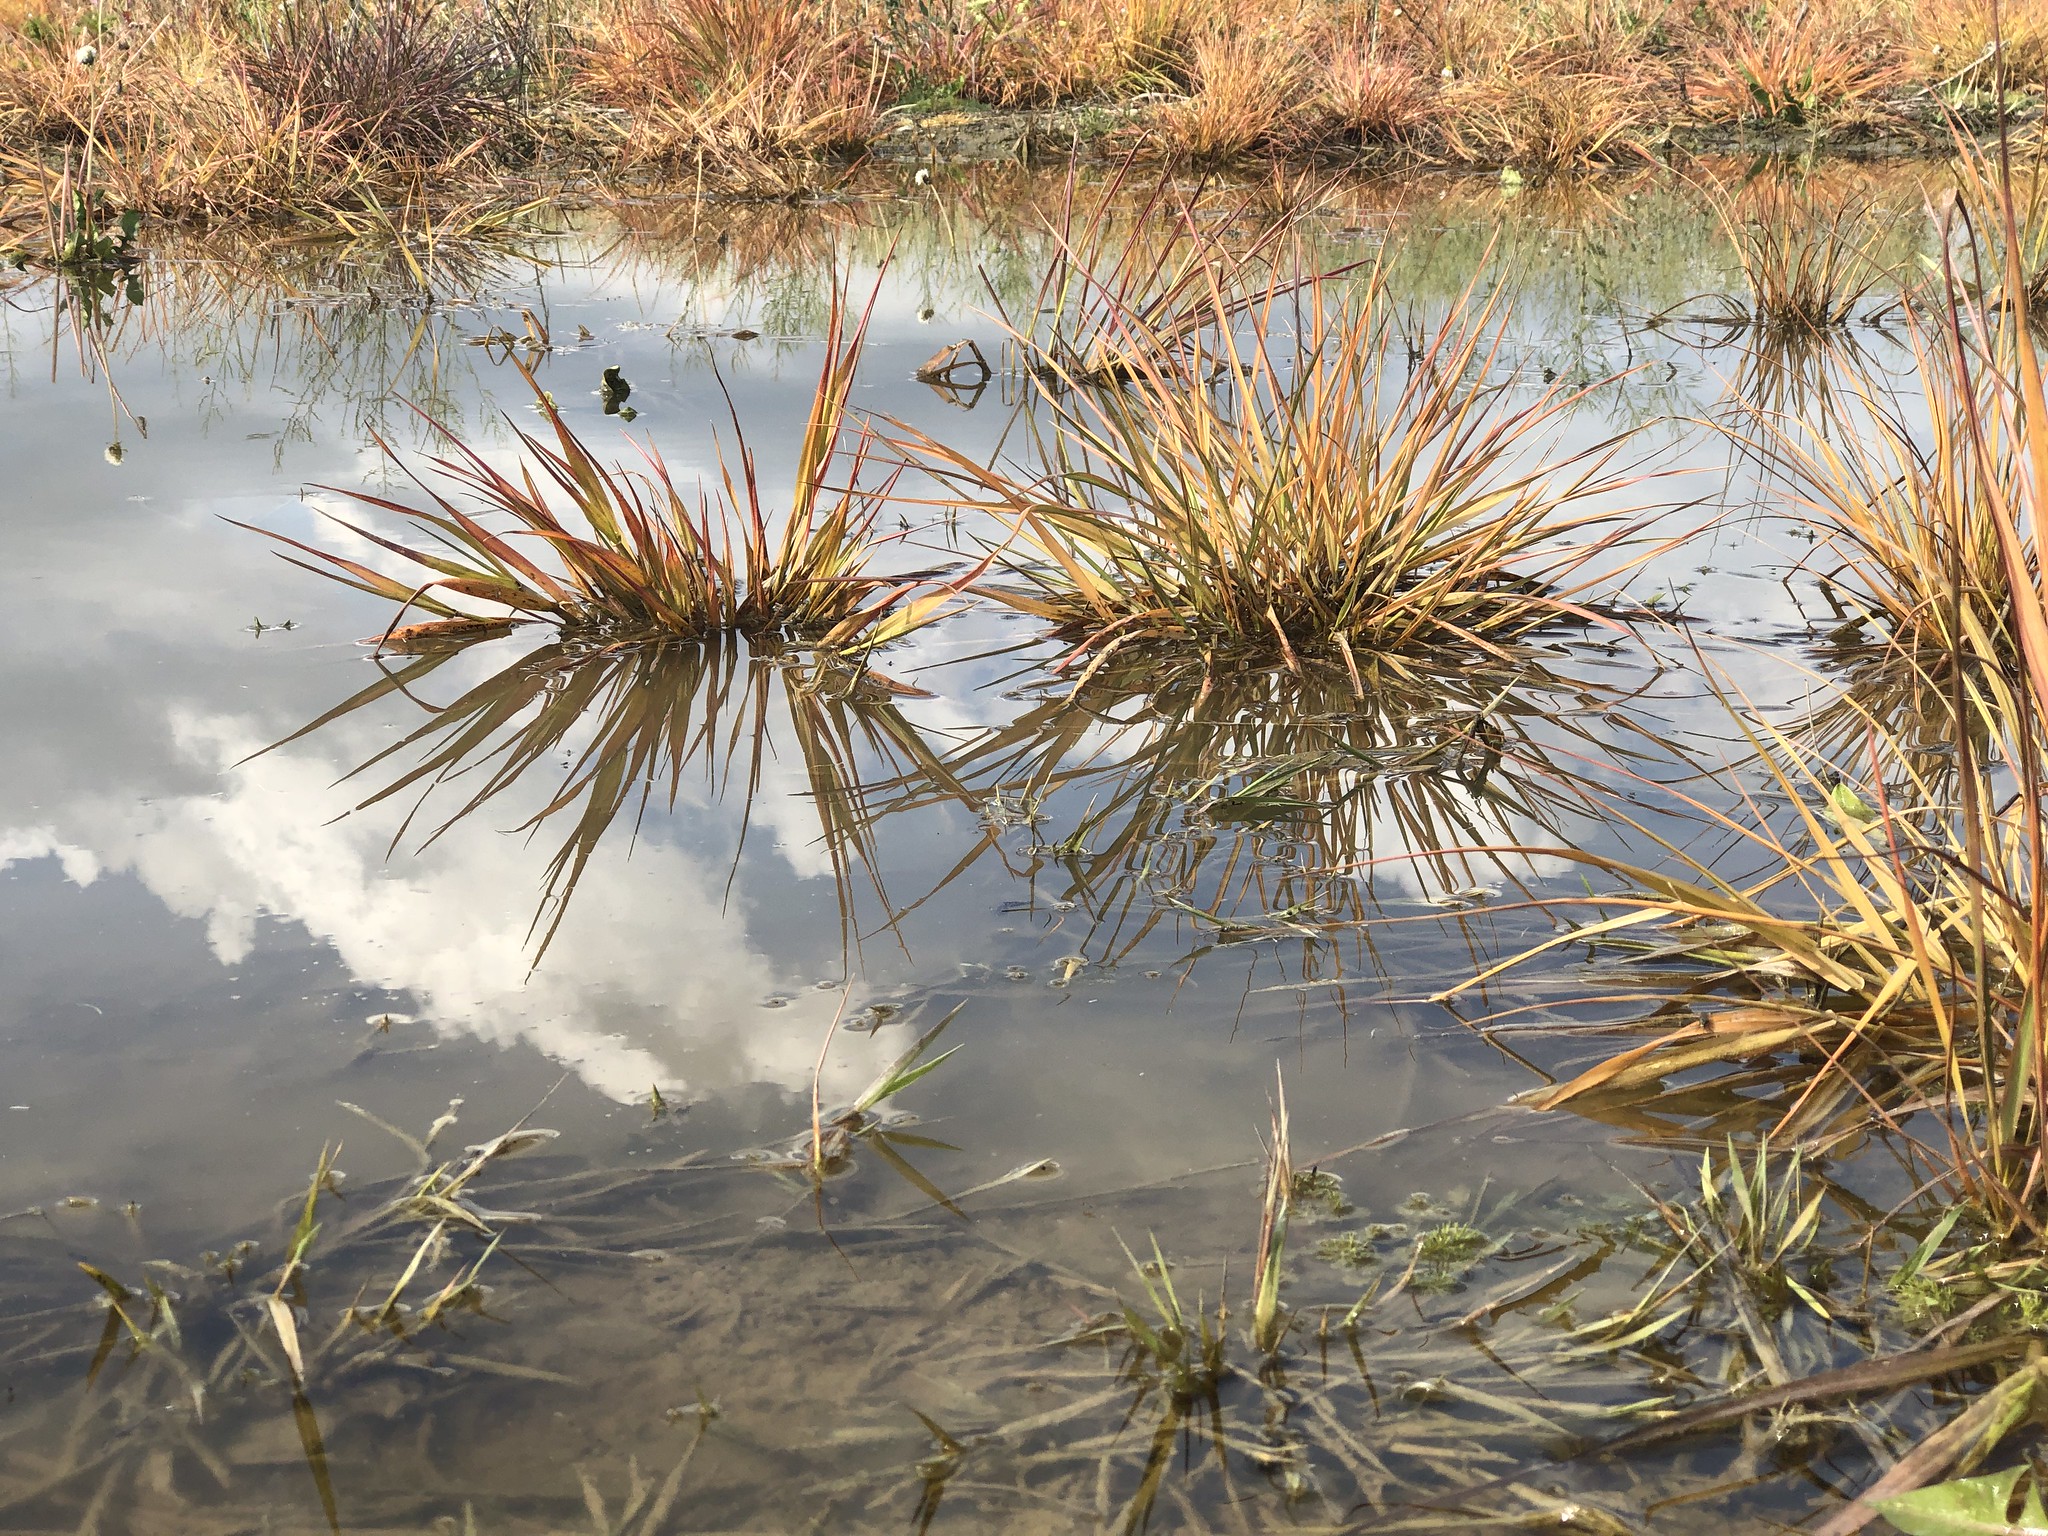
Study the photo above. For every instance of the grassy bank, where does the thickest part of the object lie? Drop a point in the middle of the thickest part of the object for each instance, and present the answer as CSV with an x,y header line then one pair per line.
x,y
198,109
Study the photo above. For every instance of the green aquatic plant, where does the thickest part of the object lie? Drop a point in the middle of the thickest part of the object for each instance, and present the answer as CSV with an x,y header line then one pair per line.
x,y
1319,1189
1348,1250
1268,1320
1451,1245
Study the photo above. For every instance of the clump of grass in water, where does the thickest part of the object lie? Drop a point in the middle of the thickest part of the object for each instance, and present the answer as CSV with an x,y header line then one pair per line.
x,y
1453,1243
1294,503
1930,935
1131,282
1918,914
1317,1189
1805,270
633,560
1348,1250
167,1330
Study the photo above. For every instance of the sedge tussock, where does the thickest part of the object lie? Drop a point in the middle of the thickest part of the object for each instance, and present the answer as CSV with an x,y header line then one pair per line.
x,y
1371,96
1552,120
1245,97
1907,520
1303,497
1791,64
1806,267
632,559
731,86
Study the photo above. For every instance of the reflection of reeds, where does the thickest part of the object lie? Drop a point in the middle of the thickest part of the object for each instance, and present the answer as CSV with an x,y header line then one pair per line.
x,y
1253,805
632,722
1136,280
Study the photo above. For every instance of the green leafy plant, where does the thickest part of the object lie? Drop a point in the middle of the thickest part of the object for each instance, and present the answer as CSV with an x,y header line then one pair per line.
x,y
1968,1506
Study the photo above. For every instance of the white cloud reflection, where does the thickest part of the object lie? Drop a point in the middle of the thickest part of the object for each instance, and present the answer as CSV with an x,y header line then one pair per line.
x,y
652,978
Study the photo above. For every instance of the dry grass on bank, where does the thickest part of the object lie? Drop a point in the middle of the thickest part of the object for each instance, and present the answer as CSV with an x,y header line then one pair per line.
x,y
191,112
198,108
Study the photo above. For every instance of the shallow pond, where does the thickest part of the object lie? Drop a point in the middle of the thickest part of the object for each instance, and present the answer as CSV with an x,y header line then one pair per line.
x,y
269,898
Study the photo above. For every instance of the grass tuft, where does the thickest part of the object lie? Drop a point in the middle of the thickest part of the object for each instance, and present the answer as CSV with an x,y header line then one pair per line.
x,y
632,559
1806,268
1304,499
395,79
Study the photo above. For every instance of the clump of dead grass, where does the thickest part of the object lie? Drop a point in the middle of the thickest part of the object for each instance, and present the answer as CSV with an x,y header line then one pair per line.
x,y
1367,95
192,113
724,85
1562,120
1247,96
395,79
1967,45
1791,64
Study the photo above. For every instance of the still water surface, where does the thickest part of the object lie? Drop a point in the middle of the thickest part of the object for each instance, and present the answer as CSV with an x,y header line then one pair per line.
x,y
223,949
